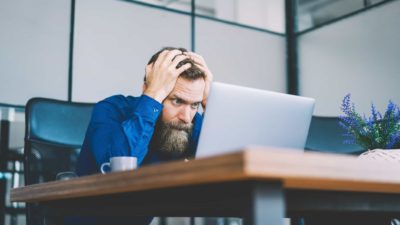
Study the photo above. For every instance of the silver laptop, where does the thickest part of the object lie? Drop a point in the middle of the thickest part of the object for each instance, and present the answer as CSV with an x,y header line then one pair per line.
x,y
238,116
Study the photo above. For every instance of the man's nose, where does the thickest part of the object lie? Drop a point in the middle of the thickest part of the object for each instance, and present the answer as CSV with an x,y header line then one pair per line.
x,y
185,114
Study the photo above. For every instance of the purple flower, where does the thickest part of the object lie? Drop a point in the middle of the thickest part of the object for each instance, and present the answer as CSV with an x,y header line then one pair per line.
x,y
376,131
394,141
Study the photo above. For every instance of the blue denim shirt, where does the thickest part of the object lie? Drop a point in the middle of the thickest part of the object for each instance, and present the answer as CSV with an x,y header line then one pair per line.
x,y
123,126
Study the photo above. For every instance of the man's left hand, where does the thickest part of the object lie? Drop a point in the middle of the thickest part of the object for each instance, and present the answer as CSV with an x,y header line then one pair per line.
x,y
201,64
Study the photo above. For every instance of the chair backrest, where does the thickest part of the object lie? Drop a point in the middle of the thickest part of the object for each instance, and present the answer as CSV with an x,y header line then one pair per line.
x,y
326,135
54,133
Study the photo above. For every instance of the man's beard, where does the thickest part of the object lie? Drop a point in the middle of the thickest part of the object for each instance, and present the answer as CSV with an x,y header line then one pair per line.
x,y
171,138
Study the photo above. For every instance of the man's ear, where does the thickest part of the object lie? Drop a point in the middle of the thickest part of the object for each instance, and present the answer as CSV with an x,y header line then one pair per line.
x,y
144,87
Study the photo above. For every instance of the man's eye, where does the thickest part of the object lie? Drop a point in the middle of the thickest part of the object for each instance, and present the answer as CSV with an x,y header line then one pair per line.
x,y
176,101
195,105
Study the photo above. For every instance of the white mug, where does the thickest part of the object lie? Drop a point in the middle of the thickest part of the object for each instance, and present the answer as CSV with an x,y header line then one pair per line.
x,y
120,163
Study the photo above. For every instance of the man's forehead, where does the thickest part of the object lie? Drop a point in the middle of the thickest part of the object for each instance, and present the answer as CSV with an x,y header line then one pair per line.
x,y
189,90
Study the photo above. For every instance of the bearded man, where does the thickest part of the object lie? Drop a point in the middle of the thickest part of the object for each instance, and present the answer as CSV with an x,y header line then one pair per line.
x,y
162,124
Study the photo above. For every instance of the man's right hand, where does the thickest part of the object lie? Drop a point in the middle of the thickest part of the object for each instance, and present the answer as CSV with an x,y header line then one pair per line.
x,y
161,75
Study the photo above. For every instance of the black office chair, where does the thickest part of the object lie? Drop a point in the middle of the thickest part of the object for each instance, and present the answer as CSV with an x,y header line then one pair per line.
x,y
54,134
326,135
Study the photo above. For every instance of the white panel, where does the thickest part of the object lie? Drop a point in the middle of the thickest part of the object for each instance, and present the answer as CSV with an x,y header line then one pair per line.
x,y
114,41
358,55
242,56
34,48
267,14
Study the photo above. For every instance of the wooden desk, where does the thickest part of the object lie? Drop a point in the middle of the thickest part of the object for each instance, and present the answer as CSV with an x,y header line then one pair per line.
x,y
260,185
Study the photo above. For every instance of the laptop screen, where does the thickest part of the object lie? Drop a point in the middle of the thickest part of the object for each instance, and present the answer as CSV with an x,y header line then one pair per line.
x,y
238,116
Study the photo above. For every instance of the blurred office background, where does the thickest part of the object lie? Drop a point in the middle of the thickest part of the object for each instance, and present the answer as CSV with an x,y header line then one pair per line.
x,y
86,50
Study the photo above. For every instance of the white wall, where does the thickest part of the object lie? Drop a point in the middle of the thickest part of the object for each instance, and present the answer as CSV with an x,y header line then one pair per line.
x,y
359,55
242,56
265,14
34,49
114,41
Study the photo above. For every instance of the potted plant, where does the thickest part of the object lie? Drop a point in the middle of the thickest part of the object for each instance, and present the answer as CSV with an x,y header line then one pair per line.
x,y
378,131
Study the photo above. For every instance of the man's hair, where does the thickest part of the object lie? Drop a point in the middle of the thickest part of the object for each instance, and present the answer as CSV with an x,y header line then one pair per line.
x,y
193,73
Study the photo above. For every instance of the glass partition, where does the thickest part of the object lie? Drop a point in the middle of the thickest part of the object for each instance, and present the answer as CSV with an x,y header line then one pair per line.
x,y
312,13
114,41
34,47
242,56
181,5
263,14
359,55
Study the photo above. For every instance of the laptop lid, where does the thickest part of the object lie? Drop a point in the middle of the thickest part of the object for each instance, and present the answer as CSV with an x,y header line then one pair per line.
x,y
238,116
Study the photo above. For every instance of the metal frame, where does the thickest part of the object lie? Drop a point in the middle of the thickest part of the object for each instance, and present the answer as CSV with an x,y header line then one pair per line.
x,y
71,50
291,47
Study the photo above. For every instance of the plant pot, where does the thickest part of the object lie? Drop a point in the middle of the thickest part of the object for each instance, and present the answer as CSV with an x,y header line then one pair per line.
x,y
387,155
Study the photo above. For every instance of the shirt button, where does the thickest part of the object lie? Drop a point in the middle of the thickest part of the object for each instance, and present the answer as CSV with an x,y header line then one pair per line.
x,y
155,110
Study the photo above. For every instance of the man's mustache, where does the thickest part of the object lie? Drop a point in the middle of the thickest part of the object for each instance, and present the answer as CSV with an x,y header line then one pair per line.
x,y
179,126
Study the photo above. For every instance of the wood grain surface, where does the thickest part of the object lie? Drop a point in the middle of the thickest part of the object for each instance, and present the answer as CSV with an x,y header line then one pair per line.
x,y
295,169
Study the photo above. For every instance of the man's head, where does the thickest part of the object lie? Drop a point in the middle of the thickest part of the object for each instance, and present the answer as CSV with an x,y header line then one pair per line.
x,y
193,73
173,130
